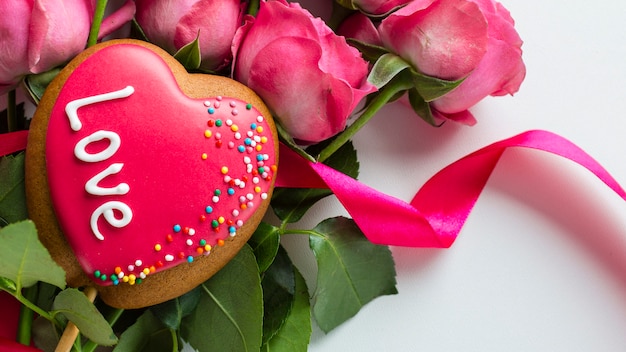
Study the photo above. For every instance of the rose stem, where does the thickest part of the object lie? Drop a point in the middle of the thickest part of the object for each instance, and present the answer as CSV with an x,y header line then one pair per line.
x,y
71,331
97,21
11,111
385,94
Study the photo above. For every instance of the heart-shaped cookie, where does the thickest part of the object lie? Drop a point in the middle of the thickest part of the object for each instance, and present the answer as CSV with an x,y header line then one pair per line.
x,y
155,178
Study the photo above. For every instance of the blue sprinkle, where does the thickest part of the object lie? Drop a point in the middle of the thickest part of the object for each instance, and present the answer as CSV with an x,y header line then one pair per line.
x,y
253,126
247,141
231,191
189,259
241,148
232,229
259,157
209,209
211,111
177,228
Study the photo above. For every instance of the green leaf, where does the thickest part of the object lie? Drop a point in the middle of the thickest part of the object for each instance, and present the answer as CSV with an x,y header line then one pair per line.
x,y
349,4
77,308
286,138
351,271
230,312
279,287
173,311
24,260
295,331
421,107
36,84
264,243
7,285
432,88
291,204
12,192
386,68
147,334
189,55
370,52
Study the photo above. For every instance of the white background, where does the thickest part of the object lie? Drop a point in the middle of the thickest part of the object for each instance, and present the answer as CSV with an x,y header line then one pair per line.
x,y
540,264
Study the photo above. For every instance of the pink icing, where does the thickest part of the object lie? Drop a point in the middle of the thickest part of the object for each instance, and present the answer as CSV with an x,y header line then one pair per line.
x,y
187,173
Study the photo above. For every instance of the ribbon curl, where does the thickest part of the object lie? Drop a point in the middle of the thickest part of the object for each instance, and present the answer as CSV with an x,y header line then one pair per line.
x,y
440,208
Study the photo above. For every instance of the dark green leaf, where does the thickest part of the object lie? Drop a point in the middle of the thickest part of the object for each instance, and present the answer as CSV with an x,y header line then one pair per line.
x,y
173,311
386,68
421,107
77,308
189,55
431,88
286,138
36,84
264,243
146,334
349,4
351,271
278,294
12,193
295,332
290,204
230,312
24,260
370,52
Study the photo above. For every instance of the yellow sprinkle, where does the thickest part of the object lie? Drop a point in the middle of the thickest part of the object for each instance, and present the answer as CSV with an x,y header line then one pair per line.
x,y
125,278
257,189
224,170
258,148
132,277
207,248
234,128
208,133
146,271
204,156
259,129
221,219
157,247
263,139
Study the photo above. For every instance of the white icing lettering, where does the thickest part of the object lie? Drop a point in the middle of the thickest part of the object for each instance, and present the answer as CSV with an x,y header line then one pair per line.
x,y
71,109
107,210
114,144
92,185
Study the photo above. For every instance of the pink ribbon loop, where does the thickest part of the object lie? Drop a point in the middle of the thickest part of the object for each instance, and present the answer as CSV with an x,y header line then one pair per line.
x,y
440,208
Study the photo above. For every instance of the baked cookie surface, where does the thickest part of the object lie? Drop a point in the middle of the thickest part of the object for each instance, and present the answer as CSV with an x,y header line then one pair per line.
x,y
145,180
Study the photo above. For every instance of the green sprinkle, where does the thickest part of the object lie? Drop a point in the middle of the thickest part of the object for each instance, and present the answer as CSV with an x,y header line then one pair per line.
x,y
249,106
215,223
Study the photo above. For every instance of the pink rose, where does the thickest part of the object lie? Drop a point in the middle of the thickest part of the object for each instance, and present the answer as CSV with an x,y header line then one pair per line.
x,y
452,39
309,77
378,7
42,34
171,24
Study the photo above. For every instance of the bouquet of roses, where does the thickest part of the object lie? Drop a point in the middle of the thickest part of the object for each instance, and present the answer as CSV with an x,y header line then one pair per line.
x,y
322,80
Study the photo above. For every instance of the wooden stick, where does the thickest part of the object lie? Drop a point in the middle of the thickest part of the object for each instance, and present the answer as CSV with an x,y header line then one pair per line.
x,y
71,331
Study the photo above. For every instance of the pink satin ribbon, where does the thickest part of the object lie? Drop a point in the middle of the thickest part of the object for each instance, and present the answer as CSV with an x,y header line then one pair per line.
x,y
438,211
12,142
